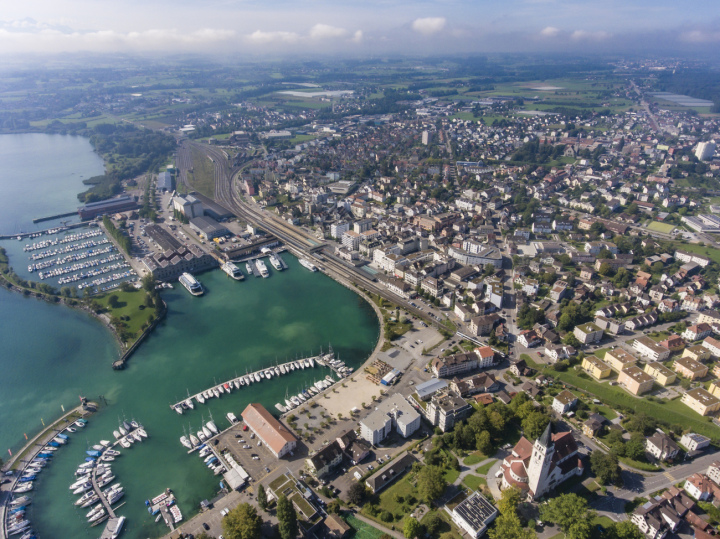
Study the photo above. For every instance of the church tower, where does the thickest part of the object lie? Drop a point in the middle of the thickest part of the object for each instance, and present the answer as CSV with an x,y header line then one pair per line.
x,y
539,467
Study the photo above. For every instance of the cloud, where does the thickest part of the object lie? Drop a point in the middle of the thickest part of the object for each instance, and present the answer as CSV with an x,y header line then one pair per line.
x,y
325,31
700,36
583,35
429,25
549,31
261,38
357,37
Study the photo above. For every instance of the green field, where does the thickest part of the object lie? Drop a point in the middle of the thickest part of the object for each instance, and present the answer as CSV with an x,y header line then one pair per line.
x,y
361,529
664,228
473,482
132,305
202,176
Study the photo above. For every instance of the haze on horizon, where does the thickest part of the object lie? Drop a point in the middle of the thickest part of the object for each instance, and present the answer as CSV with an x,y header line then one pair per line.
x,y
345,27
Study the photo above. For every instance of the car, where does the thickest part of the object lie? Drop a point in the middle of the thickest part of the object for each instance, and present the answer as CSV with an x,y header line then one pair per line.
x,y
205,526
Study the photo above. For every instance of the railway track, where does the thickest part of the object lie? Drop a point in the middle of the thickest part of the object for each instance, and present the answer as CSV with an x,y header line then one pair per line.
x,y
303,244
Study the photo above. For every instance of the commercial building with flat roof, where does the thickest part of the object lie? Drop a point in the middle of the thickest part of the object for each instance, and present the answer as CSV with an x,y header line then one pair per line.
x,y
103,207
276,436
172,264
395,412
208,228
474,514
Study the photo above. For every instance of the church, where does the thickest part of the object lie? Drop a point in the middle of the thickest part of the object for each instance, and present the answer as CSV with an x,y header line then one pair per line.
x,y
538,468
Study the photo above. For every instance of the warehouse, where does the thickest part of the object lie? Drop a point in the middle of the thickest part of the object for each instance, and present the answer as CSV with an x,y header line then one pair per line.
x,y
273,434
113,205
208,228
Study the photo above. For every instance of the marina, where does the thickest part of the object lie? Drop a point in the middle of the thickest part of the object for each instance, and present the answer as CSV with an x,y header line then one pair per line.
x,y
238,382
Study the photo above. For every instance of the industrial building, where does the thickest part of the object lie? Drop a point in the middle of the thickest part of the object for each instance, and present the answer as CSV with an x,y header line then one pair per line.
x,y
208,228
165,181
171,264
189,206
273,434
112,205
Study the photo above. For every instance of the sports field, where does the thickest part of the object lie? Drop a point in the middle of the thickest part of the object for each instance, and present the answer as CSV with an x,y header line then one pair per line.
x,y
665,228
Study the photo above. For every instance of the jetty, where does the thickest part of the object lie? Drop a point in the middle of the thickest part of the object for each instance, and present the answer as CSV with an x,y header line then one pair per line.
x,y
166,505
323,360
37,234
58,216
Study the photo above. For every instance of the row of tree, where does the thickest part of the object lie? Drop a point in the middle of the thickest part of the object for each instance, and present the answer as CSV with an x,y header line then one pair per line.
x,y
122,239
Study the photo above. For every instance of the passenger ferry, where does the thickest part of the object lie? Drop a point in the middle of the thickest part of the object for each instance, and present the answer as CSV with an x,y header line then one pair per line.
x,y
262,268
275,261
192,284
307,264
233,271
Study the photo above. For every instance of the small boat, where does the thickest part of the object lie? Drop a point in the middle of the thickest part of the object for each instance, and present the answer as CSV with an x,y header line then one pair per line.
x,y
85,497
79,424
93,498
280,408
194,440
105,443
78,483
257,377
59,440
221,389
201,435
189,404
186,442
107,458
124,443
93,453
117,435
112,453
282,369
141,431
22,500
105,480
98,515
199,397
70,429
118,528
289,404
207,432
25,487
124,431
227,387
216,392
211,425
82,488
62,436
177,408
115,495
232,418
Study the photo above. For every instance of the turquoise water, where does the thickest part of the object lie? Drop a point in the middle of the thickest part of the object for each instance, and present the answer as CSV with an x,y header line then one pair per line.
x,y
52,354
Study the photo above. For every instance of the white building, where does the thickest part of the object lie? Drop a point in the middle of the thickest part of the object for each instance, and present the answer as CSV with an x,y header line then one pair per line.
x,y
394,412
705,150
474,514
338,229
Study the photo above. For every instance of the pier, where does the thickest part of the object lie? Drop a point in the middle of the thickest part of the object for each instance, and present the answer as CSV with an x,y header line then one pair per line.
x,y
39,233
58,216
323,360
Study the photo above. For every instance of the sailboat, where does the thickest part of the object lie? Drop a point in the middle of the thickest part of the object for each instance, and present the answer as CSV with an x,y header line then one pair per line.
x,y
211,425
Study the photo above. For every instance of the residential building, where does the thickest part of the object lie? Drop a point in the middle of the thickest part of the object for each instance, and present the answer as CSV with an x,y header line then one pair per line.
x,y
701,401
661,446
273,434
713,472
699,487
474,514
588,333
323,462
529,339
635,380
694,442
713,345
395,412
481,383
618,359
427,389
386,475
538,468
564,402
697,352
445,409
594,425
649,348
662,515
445,367
662,375
483,325
697,332
689,368
486,357
596,367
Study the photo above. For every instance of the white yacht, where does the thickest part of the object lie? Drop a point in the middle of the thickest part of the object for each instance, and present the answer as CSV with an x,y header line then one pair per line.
x,y
191,284
262,268
233,271
249,268
275,261
307,264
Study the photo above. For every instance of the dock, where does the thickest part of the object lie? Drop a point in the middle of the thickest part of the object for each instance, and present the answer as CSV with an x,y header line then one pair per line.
x,y
38,233
323,360
162,504
58,216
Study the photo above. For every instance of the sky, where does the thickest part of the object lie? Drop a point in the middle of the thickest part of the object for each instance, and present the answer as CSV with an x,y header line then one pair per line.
x,y
359,27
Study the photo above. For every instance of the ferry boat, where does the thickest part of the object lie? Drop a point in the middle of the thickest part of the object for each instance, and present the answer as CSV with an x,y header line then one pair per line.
x,y
307,264
192,284
233,271
275,261
262,268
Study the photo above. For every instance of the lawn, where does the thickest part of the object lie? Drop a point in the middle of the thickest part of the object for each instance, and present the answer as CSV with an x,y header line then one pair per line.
x,y
361,529
474,458
399,499
129,305
670,412
645,466
473,482
485,468
665,228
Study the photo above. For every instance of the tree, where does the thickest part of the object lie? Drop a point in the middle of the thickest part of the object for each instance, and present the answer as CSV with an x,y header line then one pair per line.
x,y
113,301
570,512
571,340
624,530
605,269
356,493
534,424
412,528
635,446
243,522
606,467
509,501
431,483
287,519
509,527
262,497
483,442
433,524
